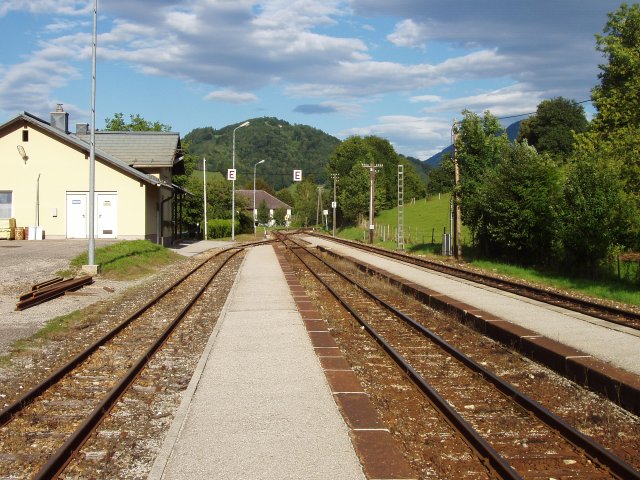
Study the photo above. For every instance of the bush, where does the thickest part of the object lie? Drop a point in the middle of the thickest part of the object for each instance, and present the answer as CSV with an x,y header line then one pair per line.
x,y
220,227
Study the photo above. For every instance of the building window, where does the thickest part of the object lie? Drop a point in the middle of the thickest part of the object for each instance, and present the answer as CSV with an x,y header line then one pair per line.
x,y
5,204
25,135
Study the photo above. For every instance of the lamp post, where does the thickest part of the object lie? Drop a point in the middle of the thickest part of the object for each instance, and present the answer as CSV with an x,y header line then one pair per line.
x,y
233,183
92,141
254,196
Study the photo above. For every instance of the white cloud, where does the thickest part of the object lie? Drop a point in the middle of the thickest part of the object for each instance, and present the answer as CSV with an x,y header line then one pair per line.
x,y
425,98
27,85
409,34
312,50
230,96
513,100
48,7
410,135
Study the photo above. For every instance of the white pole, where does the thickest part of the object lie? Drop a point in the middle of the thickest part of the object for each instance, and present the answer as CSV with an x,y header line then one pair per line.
x,y
204,173
255,216
233,183
92,150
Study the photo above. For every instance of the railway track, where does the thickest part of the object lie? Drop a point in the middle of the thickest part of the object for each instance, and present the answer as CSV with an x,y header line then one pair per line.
x,y
620,316
47,426
512,435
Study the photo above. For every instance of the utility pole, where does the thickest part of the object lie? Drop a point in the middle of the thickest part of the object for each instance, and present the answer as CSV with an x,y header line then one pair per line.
x,y
400,240
372,171
204,173
319,205
334,204
457,235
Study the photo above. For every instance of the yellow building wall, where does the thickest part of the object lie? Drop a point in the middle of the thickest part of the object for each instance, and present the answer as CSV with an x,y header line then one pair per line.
x,y
62,168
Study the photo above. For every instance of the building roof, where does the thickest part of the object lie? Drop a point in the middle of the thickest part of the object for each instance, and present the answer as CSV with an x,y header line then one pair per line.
x,y
273,203
140,149
83,145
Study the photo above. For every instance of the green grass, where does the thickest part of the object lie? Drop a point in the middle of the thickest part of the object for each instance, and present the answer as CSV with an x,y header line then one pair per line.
x,y
424,223
128,260
425,220
616,290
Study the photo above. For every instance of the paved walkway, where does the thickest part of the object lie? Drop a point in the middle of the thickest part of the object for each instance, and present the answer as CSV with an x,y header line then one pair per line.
x,y
258,405
611,343
189,249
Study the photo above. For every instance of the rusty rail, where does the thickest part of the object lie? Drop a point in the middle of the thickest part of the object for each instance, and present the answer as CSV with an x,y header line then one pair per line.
x,y
50,289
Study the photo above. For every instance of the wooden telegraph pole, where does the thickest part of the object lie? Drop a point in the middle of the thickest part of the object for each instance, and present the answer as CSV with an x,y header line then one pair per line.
x,y
372,170
457,234
334,204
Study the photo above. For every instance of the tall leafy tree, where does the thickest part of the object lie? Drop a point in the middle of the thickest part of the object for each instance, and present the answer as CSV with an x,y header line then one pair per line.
x,y
595,213
481,144
263,213
519,198
614,136
353,185
551,130
305,202
135,124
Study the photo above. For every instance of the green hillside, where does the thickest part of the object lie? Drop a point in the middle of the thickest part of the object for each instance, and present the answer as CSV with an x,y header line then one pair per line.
x,y
285,147
425,221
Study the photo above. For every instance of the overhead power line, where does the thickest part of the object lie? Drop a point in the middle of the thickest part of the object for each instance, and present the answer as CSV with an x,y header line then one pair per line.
x,y
533,113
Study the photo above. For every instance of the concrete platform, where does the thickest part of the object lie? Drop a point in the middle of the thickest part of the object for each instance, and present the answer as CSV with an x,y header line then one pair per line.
x,y
259,405
191,248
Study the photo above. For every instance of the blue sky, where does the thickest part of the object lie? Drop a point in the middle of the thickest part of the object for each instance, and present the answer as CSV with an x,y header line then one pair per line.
x,y
399,69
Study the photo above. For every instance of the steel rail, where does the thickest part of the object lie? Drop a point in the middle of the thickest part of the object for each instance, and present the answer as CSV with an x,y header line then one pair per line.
x,y
553,298
8,412
594,450
60,459
51,291
488,454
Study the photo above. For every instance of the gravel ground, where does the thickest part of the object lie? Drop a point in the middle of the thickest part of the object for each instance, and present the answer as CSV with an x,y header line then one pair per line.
x,y
24,263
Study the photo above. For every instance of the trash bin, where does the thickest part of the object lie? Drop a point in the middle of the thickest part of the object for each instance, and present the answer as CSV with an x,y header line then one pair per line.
x,y
19,233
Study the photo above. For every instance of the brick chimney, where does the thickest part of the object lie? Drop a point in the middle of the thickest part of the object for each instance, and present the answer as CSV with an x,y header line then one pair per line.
x,y
60,119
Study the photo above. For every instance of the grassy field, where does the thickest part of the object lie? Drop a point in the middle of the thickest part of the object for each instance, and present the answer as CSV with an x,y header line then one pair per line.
x,y
425,221
127,260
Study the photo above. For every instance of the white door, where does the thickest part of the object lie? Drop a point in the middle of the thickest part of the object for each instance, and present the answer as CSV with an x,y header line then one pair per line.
x,y
107,220
77,215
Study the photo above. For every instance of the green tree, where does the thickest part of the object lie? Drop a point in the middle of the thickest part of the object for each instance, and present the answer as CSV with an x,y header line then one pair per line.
x,y
263,213
614,136
286,196
280,216
440,178
136,124
519,198
551,130
481,144
595,213
353,184
305,201
260,185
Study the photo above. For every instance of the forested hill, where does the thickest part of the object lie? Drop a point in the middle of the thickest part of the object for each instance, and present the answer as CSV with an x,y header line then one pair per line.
x,y
285,148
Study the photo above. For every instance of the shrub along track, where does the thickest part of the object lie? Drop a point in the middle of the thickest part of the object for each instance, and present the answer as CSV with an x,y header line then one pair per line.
x,y
42,427
532,447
